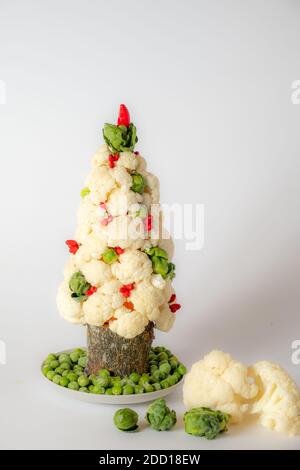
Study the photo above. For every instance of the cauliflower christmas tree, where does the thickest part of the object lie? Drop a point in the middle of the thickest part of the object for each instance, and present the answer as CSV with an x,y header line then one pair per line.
x,y
117,280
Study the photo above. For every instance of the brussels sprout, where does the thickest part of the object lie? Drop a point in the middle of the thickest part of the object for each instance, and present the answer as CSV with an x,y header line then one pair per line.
x,y
161,253
98,389
108,391
45,370
74,356
78,285
155,376
110,256
138,389
117,389
148,387
73,386
51,357
104,373
64,382
128,389
120,138
165,368
51,374
59,370
65,365
156,386
164,383
84,389
171,380
83,381
181,369
160,266
102,381
64,358
53,364
159,416
173,361
82,361
205,422
162,356
72,376
138,183
56,379
134,377
126,419
65,373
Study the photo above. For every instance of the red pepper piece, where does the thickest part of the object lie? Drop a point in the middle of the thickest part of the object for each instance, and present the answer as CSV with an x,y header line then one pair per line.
x,y
73,246
111,161
129,286
124,291
129,305
116,157
174,307
172,298
91,291
119,250
102,205
124,116
148,222
107,220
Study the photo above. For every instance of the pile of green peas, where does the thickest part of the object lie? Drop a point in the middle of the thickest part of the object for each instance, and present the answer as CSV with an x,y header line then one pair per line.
x,y
67,370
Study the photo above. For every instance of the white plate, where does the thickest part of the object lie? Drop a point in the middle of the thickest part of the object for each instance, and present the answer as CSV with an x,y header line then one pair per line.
x,y
112,399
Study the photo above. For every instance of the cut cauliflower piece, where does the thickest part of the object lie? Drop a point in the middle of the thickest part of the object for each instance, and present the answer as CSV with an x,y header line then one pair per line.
x,y
95,246
127,160
128,324
219,382
122,177
158,281
97,309
120,232
147,299
120,202
152,186
101,156
133,266
279,405
70,267
101,183
141,163
82,256
70,309
96,272
167,244
165,319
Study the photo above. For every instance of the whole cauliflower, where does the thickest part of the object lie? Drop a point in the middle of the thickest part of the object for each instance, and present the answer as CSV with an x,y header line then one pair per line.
x,y
219,382
278,407
128,324
133,266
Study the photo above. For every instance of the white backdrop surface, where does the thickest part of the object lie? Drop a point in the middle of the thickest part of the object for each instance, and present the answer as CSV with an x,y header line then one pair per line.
x,y
208,84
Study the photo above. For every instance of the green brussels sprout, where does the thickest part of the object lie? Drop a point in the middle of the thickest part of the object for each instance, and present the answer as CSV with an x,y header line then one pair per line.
x,y
181,369
116,389
63,358
138,183
73,386
102,381
59,370
155,376
51,357
84,192
134,377
148,387
78,285
45,370
82,361
160,266
173,361
159,416
120,138
64,382
98,389
165,368
56,379
104,373
160,253
176,377
128,389
138,389
65,373
171,270
74,356
65,366
110,256
171,380
164,383
84,389
53,364
153,368
126,419
91,388
108,391
162,356
51,374
156,386
158,349
83,381
205,422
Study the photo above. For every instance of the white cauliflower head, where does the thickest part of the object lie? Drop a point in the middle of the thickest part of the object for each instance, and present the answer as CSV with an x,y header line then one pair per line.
x,y
279,405
219,382
70,309
133,266
128,324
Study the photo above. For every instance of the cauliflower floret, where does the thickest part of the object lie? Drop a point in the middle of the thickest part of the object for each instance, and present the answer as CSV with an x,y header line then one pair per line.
x,y
87,213
101,156
167,244
165,319
69,308
96,272
101,183
128,160
121,231
82,256
279,405
95,246
120,202
82,231
112,290
168,290
97,309
141,163
70,267
128,324
122,177
220,382
158,281
147,299
152,186
133,266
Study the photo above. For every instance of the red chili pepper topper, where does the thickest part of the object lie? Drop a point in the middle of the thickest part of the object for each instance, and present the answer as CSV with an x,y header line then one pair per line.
x,y
73,246
124,116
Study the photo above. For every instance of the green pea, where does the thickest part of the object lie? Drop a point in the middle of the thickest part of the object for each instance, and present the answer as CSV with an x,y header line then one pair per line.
x,y
84,390
164,383
138,389
65,366
116,389
64,382
45,370
181,369
173,361
162,356
138,183
98,390
148,387
83,381
82,361
72,377
128,389
110,256
156,386
134,377
53,364
84,192
59,370
56,379
64,358
108,391
51,374
74,356
165,368
73,386
104,373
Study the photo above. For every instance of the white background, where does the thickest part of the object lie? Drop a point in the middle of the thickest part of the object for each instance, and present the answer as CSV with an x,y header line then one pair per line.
x,y
208,84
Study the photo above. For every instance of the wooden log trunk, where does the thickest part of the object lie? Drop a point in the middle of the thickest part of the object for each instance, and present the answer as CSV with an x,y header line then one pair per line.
x,y
121,356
